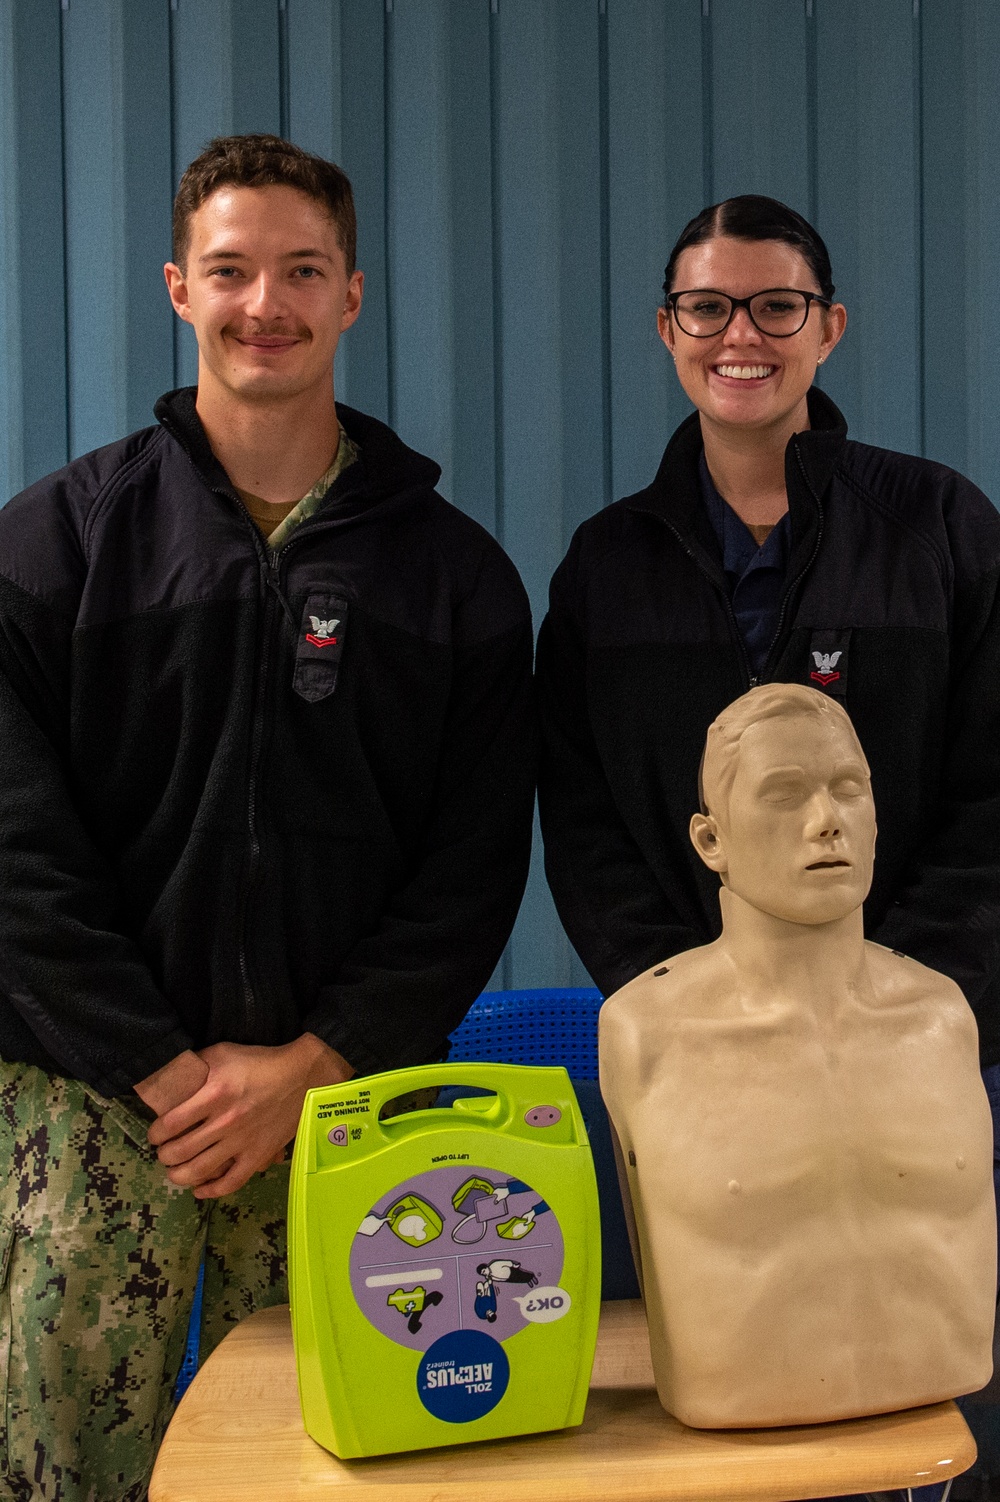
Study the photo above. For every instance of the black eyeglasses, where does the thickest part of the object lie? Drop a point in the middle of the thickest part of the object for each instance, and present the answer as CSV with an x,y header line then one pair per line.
x,y
779,312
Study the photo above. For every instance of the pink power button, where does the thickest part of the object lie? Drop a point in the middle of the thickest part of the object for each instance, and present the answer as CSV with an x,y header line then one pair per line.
x,y
338,1136
543,1116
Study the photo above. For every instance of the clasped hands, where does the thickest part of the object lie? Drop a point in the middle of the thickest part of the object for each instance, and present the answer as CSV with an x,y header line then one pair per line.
x,y
228,1111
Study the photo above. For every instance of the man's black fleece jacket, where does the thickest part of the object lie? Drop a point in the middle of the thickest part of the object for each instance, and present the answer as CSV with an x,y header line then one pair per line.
x,y
895,566
246,797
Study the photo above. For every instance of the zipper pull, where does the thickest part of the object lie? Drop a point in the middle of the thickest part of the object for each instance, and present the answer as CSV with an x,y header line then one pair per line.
x,y
273,578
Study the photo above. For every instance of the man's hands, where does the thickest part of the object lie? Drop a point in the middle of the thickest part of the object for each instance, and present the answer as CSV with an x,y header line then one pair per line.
x,y
175,1082
241,1112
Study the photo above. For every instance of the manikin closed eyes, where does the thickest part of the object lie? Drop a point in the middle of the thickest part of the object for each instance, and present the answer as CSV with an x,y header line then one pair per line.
x,y
804,1131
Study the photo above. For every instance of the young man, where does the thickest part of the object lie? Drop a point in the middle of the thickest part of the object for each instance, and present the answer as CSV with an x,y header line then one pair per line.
x,y
265,822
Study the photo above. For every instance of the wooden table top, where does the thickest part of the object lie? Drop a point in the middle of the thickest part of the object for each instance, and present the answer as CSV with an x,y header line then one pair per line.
x,y
238,1437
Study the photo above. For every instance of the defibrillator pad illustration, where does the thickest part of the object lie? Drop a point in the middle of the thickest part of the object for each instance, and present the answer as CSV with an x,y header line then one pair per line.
x,y
457,1248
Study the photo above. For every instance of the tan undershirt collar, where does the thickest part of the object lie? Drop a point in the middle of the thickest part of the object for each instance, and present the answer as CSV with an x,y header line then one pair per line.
x,y
267,515
278,519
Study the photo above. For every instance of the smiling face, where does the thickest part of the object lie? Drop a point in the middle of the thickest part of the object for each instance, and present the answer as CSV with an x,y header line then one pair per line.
x,y
797,835
742,378
267,292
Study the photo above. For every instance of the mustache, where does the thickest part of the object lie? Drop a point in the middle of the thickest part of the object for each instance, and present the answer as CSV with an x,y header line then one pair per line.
x,y
266,331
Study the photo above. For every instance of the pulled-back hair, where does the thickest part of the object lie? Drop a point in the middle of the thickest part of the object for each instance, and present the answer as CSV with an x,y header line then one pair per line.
x,y
752,217
769,701
261,161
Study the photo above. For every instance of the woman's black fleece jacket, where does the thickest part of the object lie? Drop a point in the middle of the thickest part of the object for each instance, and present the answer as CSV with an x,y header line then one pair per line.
x,y
895,566
246,797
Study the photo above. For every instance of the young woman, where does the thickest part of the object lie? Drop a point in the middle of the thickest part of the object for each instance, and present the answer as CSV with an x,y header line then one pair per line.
x,y
770,546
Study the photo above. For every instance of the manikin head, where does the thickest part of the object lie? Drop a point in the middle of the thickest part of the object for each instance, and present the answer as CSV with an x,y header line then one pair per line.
x,y
787,818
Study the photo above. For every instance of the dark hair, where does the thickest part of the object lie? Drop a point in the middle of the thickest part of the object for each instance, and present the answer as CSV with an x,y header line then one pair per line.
x,y
259,161
752,217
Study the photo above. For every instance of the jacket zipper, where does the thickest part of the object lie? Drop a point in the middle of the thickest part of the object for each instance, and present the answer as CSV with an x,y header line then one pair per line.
x,y
753,681
270,565
256,740
805,567
734,625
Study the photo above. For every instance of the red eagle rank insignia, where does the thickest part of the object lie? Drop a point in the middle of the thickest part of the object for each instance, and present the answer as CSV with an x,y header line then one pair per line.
x,y
321,634
825,670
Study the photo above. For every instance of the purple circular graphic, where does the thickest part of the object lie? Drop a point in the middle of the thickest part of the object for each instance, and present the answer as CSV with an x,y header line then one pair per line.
x,y
454,1249
462,1376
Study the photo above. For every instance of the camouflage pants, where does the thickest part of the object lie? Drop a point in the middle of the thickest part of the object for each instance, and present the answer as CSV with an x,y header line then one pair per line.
x,y
99,1255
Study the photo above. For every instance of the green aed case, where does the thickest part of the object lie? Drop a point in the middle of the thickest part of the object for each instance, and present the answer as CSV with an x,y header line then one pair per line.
x,y
444,1264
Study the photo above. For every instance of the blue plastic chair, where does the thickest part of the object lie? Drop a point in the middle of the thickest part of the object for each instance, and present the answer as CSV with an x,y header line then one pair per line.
x,y
190,1363
558,1026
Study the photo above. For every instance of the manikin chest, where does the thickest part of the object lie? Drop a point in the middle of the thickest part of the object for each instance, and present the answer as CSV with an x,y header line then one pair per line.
x,y
733,1125
814,1210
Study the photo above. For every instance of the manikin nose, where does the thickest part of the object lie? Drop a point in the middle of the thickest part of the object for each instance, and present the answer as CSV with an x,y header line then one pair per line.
x,y
823,823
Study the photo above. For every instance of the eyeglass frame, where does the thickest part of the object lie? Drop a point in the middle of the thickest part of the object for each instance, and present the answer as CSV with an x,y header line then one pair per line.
x,y
670,303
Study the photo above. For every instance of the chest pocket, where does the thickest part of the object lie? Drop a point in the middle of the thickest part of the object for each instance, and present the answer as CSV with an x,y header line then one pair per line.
x,y
320,646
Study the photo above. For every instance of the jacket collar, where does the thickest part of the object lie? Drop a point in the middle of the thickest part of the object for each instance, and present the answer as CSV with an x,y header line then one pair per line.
x,y
387,470
176,411
822,445
810,457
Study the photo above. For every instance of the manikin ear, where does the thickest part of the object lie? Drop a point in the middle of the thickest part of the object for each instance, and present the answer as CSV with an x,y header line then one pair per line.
x,y
706,840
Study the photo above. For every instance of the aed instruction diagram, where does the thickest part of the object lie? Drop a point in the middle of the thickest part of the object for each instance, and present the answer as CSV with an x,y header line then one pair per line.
x,y
458,1248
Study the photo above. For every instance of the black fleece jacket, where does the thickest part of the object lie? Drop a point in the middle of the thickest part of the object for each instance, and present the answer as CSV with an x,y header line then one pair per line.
x,y
246,797
895,565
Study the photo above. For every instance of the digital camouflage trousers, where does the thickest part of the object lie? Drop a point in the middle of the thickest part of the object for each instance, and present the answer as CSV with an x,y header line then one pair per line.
x,y
99,1256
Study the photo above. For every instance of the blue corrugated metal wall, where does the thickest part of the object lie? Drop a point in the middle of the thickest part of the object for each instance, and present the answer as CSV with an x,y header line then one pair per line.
x,y
521,169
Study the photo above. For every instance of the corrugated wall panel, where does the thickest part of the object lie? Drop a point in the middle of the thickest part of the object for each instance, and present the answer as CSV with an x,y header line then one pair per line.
x,y
552,438
951,322
869,211
961,237
116,109
472,479
312,49
255,53
440,243
33,411
365,359
147,368
981,212
656,171
550,279
521,169
95,222
758,103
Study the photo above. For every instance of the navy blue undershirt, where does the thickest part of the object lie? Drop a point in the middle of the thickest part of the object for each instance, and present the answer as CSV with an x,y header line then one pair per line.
x,y
755,575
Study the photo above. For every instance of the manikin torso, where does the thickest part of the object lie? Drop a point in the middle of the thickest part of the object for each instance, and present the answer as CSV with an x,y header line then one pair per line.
x,y
808,1152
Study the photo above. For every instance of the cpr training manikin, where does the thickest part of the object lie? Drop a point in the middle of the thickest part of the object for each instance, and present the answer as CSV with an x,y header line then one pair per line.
x,y
804,1134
